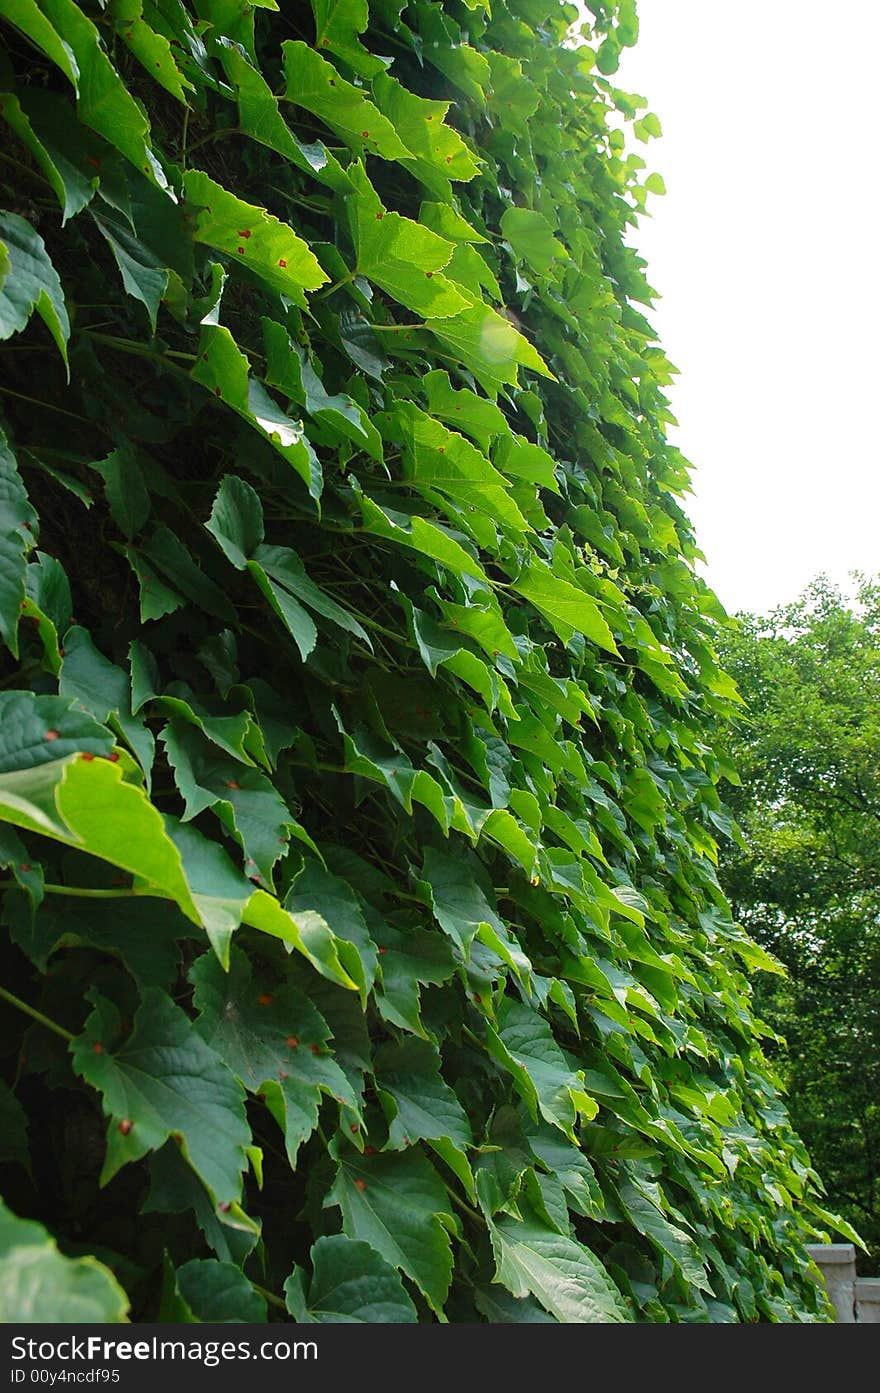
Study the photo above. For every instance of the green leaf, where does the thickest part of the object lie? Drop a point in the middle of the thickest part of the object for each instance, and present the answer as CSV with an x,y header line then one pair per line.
x,y
36,1278
260,118
143,273
316,892
457,892
266,247
432,539
410,961
104,102
467,412
337,26
441,459
104,691
245,800
236,520
275,1043
568,609
17,522
165,1082
218,1293
531,237
153,51
435,147
32,284
350,1282
283,566
567,1279
72,189
125,490
27,16
524,1045
488,344
397,1204
420,1106
316,85
400,255
641,1201
224,370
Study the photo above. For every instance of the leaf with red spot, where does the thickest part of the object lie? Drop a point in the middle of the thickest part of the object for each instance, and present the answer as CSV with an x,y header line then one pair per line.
x,y
257,1040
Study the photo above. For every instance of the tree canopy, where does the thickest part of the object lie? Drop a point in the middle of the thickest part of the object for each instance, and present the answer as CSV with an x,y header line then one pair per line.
x,y
806,881
359,717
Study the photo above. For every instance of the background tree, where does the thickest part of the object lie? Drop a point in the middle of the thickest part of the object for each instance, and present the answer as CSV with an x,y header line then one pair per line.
x,y
806,882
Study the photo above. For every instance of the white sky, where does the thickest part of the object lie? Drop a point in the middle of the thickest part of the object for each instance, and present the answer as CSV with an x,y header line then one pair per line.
x,y
765,251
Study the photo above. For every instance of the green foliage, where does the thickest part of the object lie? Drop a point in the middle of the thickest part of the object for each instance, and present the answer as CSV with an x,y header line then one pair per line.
x,y
360,713
804,879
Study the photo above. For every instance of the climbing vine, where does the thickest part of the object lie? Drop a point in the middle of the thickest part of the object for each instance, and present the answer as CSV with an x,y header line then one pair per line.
x,y
359,715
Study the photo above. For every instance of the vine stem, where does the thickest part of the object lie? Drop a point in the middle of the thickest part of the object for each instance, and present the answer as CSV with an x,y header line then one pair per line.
x,y
87,893
36,1015
269,1296
464,1207
337,285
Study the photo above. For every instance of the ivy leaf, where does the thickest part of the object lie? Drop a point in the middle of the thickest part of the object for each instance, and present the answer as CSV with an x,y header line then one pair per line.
x,y
338,24
441,459
316,892
569,609
143,274
410,530
167,552
524,1044
174,1188
420,1106
465,410
32,284
397,1204
104,102
245,800
259,117
436,148
316,85
27,16
72,188
165,1082
400,255
17,521
350,1282
257,240
289,368
104,691
275,1043
457,895
283,566
567,1279
224,370
410,962
489,345
531,237
126,492
236,520
152,50
216,1293
640,1203
36,1278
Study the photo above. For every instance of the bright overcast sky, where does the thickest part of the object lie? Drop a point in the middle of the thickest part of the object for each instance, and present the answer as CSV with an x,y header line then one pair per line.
x,y
765,251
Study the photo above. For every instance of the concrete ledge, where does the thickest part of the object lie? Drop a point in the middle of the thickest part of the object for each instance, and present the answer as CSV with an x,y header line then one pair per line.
x,y
867,1294
831,1254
